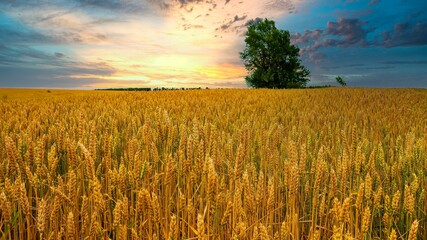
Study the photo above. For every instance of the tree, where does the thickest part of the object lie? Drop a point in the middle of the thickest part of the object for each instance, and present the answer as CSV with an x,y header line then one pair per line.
x,y
341,81
270,58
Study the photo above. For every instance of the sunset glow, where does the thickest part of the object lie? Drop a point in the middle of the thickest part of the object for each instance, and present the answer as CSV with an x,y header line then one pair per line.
x,y
190,43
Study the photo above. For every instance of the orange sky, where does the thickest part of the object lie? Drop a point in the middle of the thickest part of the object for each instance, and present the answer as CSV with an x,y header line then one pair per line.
x,y
86,44
153,43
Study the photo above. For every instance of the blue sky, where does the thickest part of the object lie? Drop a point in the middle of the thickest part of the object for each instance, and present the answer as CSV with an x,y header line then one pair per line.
x,y
369,43
189,43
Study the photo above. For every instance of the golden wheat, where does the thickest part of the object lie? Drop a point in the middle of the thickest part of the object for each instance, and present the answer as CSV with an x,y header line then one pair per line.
x,y
218,164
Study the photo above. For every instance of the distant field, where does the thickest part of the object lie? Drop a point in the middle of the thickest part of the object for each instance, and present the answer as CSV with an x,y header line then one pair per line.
x,y
214,164
42,93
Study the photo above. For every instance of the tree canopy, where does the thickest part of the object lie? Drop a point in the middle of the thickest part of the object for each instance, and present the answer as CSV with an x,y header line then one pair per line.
x,y
270,58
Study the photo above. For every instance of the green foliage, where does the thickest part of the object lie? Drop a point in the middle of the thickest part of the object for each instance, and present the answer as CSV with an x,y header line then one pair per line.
x,y
341,81
270,58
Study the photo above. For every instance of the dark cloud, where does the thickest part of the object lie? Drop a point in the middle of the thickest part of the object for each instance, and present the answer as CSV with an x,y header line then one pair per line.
x,y
227,25
22,35
373,2
59,55
15,3
39,61
18,34
161,4
183,2
411,62
105,20
191,26
237,18
71,6
87,68
416,15
29,80
148,7
56,14
110,4
28,77
307,37
343,34
253,21
130,6
351,31
239,29
22,54
404,34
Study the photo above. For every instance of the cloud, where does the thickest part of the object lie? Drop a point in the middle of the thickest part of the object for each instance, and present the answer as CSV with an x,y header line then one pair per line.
x,y
24,55
30,77
373,2
355,14
344,33
65,20
22,35
227,25
307,37
404,34
128,6
316,57
239,29
253,21
151,41
183,2
55,14
351,31
227,16
411,62
190,26
30,58
281,4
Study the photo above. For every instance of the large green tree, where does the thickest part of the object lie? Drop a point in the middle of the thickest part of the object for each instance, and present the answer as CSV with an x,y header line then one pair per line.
x,y
270,58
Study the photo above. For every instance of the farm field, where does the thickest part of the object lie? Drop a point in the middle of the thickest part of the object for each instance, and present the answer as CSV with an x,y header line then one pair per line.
x,y
333,163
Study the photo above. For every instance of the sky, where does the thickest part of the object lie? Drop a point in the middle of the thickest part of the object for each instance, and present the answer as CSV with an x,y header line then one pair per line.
x,y
87,44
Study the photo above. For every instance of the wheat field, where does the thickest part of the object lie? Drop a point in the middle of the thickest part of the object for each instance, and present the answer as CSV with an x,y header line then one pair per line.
x,y
330,163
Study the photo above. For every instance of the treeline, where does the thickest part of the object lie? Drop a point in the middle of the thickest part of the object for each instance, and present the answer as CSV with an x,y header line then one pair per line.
x,y
147,89
170,89
321,86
